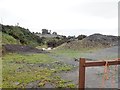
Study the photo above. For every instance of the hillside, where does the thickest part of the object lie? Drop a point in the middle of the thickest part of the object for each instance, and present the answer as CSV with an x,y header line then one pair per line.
x,y
7,39
22,35
92,41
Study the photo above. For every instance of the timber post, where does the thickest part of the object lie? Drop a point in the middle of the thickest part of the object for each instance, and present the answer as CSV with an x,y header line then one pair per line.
x,y
82,74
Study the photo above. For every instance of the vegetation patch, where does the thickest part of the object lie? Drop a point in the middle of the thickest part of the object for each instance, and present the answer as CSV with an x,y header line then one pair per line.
x,y
19,70
73,53
7,39
27,58
24,36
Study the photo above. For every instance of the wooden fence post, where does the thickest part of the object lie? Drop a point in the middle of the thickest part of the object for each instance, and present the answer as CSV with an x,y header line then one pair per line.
x,y
82,74
83,64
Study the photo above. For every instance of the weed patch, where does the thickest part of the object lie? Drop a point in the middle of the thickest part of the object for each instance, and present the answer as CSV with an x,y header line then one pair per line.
x,y
19,70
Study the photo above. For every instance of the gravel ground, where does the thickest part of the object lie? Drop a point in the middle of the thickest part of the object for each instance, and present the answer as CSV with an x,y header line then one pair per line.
x,y
94,75
107,53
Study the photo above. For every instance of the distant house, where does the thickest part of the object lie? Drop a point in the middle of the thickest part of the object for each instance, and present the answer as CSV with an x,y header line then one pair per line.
x,y
47,34
45,31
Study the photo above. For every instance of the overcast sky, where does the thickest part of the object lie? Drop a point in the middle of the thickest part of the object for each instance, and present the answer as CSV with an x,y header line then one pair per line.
x,y
67,17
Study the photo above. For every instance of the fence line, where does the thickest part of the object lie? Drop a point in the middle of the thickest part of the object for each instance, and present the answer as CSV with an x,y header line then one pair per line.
x,y
83,64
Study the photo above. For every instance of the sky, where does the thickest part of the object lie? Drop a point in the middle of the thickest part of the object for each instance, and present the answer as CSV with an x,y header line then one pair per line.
x,y
66,17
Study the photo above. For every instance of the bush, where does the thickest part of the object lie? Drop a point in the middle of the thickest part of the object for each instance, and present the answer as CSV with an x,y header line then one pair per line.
x,y
55,42
23,35
80,37
52,43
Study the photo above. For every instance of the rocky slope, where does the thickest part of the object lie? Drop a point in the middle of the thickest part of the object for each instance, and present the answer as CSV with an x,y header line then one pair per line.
x,y
93,41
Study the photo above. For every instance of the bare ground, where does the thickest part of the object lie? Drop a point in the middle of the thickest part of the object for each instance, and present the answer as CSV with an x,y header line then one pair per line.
x,y
21,49
94,75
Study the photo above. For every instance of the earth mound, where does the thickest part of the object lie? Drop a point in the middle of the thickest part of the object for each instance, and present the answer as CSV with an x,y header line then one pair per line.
x,y
93,41
21,49
106,40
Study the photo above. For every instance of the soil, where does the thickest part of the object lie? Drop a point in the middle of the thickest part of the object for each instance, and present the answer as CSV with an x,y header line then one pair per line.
x,y
21,49
92,41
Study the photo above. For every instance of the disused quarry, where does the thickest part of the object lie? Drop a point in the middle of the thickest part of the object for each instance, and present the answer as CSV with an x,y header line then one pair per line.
x,y
28,67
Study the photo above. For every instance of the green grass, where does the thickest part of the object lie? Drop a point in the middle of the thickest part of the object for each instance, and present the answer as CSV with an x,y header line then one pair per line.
x,y
66,52
10,77
0,59
16,69
28,58
7,39
64,68
0,72
74,53
21,69
70,53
